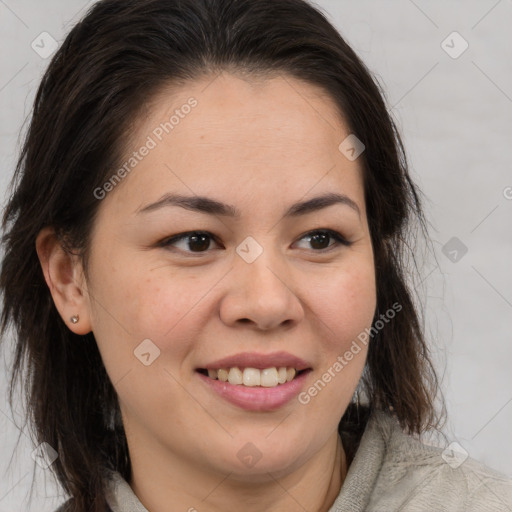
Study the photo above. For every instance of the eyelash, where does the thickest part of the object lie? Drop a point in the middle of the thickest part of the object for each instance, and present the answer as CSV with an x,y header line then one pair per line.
x,y
340,240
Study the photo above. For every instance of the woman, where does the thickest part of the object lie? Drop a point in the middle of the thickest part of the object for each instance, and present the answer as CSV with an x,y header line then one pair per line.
x,y
205,267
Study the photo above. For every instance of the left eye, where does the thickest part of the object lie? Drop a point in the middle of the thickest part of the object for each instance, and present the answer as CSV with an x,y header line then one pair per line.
x,y
319,237
199,241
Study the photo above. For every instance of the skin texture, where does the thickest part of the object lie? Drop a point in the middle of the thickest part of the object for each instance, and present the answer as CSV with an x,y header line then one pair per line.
x,y
259,145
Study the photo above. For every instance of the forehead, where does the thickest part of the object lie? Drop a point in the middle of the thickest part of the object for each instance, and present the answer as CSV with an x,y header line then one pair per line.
x,y
226,133
253,112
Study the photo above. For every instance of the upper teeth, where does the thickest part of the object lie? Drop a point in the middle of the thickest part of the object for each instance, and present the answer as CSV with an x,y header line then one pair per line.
x,y
269,377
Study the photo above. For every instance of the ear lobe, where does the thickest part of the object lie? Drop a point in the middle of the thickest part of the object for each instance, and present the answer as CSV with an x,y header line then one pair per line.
x,y
64,276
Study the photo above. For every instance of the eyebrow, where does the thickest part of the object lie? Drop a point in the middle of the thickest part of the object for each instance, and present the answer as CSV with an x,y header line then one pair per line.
x,y
212,207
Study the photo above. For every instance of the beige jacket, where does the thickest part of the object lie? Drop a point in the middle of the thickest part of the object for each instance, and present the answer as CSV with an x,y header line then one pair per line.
x,y
393,472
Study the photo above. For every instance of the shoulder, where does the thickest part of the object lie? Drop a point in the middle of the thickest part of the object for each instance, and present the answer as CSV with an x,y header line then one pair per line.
x,y
109,477
68,506
416,476
65,507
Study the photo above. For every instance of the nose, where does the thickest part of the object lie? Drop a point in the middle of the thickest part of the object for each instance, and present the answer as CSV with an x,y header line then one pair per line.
x,y
262,293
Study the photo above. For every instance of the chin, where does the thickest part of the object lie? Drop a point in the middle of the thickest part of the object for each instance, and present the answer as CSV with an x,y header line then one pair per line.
x,y
264,471
254,465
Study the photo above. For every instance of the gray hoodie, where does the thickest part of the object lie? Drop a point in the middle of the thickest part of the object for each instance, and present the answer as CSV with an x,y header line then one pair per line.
x,y
392,472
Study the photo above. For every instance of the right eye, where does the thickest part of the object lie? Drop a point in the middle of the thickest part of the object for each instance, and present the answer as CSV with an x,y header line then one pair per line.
x,y
195,242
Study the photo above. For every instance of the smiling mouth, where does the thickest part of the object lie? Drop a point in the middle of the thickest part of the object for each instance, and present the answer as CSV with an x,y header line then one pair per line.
x,y
253,377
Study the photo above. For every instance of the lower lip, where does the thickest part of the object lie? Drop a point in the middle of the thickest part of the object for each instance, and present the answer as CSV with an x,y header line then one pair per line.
x,y
257,398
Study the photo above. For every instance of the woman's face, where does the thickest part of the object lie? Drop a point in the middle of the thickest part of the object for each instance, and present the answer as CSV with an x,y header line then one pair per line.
x,y
258,283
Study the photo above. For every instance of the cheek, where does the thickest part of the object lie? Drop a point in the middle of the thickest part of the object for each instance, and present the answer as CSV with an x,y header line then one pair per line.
x,y
137,301
344,308
345,304
141,299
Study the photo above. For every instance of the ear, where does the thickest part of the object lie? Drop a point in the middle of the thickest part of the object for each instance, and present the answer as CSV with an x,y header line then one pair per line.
x,y
64,276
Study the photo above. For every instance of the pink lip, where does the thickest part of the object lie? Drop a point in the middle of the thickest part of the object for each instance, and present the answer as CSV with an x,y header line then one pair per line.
x,y
257,398
259,361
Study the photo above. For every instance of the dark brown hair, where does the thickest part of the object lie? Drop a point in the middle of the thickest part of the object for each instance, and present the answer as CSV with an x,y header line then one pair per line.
x,y
110,65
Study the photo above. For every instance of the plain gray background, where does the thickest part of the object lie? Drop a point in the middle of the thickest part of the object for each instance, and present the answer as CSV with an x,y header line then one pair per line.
x,y
454,112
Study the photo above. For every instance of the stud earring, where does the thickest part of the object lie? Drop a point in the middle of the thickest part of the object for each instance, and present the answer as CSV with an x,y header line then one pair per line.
x,y
74,319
